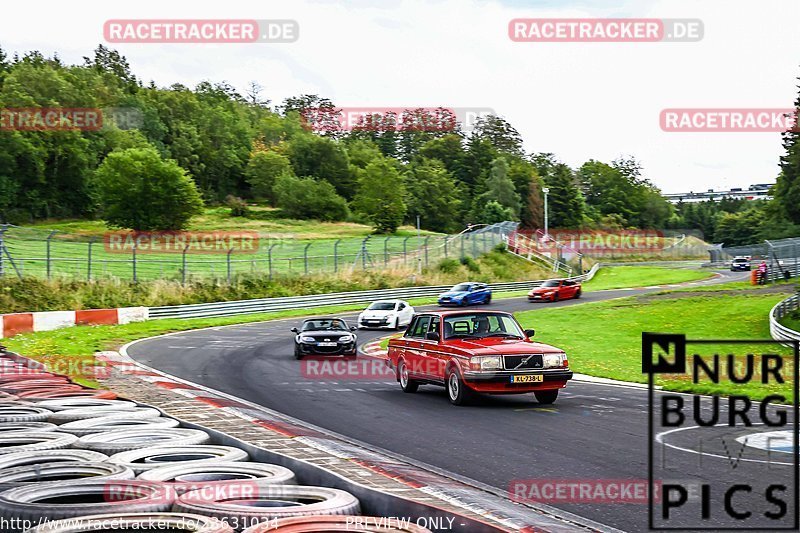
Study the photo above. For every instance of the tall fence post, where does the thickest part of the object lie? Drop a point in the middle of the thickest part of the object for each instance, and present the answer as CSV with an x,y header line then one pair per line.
x,y
427,237
49,238
483,236
89,259
446,238
474,245
364,253
305,258
133,259
462,246
230,251
3,230
269,259
386,250
184,265
405,251
336,255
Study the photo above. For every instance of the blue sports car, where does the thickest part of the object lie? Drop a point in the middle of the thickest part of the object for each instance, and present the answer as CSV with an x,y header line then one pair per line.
x,y
467,294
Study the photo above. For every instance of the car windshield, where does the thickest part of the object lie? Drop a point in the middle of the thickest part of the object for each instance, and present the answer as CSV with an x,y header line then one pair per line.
x,y
461,287
480,325
740,260
382,306
551,283
324,323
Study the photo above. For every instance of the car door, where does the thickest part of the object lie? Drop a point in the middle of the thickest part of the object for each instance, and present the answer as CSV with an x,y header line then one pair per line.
x,y
473,296
416,346
435,359
404,313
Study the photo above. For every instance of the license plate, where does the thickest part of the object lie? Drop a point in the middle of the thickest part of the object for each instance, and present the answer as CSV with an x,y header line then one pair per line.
x,y
536,378
326,344
373,322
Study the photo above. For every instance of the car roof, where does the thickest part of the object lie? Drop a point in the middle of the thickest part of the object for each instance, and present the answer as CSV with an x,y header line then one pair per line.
x,y
464,312
324,318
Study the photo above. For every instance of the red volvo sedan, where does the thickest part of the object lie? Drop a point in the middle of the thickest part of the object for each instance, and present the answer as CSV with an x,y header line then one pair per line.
x,y
470,352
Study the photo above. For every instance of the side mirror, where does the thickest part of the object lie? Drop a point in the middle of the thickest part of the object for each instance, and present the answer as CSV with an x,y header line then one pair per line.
x,y
432,336
353,328
295,330
530,332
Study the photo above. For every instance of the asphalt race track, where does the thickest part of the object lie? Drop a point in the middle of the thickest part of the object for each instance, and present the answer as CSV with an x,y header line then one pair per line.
x,y
593,431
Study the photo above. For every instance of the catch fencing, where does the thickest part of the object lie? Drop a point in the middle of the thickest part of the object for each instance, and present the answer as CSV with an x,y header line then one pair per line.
x,y
28,251
782,256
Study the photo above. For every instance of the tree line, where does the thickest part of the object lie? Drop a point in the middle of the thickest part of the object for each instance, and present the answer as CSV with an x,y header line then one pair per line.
x,y
212,144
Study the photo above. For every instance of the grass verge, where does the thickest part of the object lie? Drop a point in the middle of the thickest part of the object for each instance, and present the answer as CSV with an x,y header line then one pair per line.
x,y
604,338
618,277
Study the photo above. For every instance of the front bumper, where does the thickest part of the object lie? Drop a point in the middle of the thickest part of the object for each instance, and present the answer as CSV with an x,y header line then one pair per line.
x,y
499,382
448,301
311,348
371,323
539,297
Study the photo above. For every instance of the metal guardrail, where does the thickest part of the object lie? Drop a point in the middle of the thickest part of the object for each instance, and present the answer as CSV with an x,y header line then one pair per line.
x,y
261,305
778,331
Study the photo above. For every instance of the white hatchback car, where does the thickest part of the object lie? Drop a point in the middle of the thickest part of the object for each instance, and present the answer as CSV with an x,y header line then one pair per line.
x,y
391,314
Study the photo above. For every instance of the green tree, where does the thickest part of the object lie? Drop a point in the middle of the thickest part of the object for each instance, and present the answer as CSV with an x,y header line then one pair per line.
x,y
434,196
493,212
324,159
500,189
263,170
381,195
309,198
141,191
566,206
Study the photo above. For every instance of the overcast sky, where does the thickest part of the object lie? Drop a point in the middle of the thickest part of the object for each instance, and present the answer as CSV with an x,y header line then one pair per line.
x,y
578,100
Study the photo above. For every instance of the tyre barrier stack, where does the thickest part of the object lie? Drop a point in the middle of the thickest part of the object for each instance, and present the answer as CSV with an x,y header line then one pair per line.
x,y
74,460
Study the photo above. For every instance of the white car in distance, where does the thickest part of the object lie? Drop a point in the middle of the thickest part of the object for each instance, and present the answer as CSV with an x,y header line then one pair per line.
x,y
389,314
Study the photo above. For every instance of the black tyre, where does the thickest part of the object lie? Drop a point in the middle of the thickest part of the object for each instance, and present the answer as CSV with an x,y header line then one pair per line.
x,y
546,397
297,353
457,392
64,472
578,294
88,426
271,501
488,300
555,298
406,383
21,413
190,477
57,500
146,459
34,441
17,459
123,440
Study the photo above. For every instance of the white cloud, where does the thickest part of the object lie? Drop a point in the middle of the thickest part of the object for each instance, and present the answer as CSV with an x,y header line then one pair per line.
x,y
578,100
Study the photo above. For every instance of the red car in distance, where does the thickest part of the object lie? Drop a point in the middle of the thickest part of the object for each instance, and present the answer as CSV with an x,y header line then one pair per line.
x,y
471,352
554,290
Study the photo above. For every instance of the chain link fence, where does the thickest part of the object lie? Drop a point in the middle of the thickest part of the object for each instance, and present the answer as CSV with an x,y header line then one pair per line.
x,y
50,254
782,256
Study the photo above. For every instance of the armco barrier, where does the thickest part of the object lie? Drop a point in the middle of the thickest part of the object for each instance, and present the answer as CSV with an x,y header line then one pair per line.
x,y
261,305
778,331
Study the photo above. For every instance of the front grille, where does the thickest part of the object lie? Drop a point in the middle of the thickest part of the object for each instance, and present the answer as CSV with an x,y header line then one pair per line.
x,y
511,362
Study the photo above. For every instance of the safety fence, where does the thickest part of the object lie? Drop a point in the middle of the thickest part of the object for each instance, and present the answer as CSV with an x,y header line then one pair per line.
x,y
49,254
262,305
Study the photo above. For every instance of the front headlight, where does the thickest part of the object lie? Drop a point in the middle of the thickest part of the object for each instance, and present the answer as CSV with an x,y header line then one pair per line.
x,y
486,362
554,360
346,338
306,338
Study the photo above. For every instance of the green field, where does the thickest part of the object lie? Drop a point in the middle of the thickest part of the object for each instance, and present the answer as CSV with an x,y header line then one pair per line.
x,y
617,277
604,338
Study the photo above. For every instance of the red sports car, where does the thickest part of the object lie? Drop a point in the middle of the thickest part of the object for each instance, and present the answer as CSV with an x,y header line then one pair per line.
x,y
554,290
471,352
